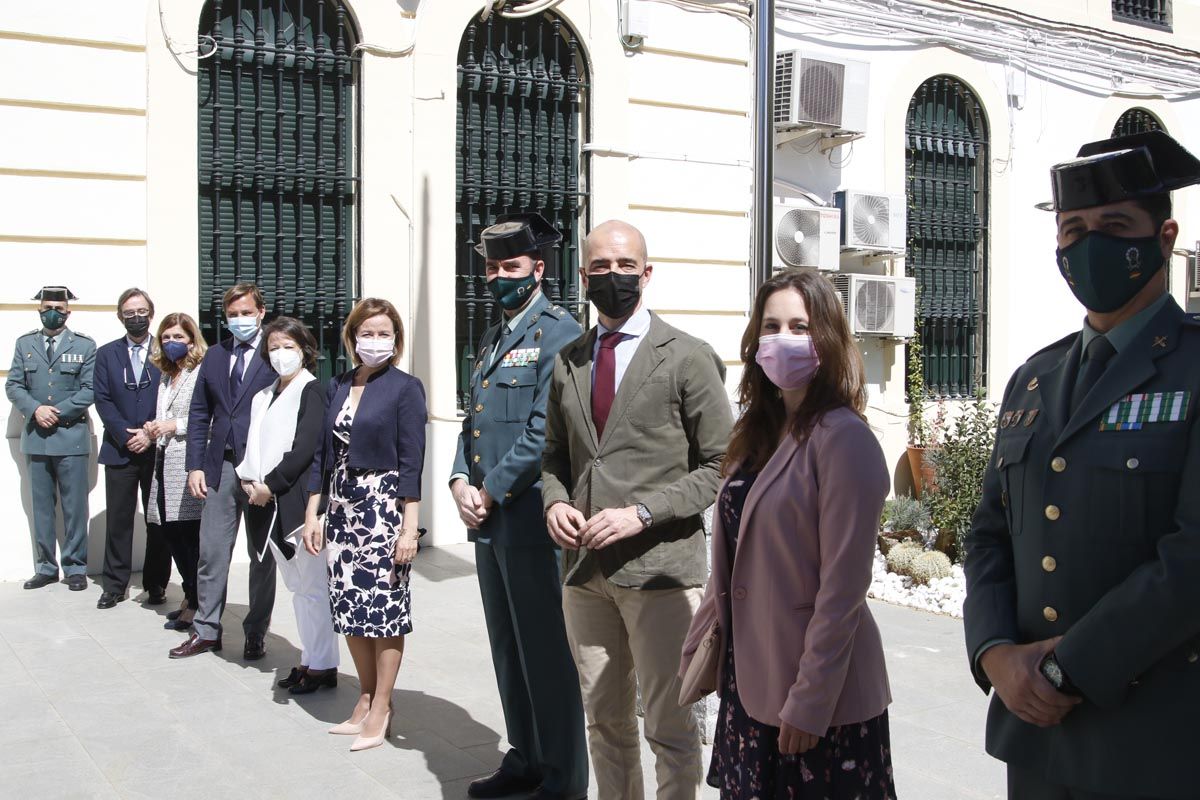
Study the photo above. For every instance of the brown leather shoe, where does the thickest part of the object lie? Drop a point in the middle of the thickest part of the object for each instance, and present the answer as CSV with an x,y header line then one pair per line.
x,y
194,646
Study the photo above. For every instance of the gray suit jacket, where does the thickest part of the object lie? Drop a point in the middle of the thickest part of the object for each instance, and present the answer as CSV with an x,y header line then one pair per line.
x,y
1089,528
663,446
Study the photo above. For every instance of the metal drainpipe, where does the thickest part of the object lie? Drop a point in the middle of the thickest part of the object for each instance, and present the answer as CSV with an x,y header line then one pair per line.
x,y
764,142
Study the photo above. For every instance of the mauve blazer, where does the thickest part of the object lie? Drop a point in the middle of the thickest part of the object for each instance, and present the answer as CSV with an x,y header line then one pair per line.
x,y
388,431
807,646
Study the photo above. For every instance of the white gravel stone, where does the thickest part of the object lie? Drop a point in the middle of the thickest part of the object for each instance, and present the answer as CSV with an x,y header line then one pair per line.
x,y
942,596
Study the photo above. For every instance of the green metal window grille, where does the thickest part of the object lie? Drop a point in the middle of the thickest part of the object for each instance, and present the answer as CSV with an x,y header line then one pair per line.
x,y
1151,13
522,89
946,159
1136,120
278,163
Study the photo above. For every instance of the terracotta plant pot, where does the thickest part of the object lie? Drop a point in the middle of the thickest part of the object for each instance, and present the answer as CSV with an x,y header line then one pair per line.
x,y
922,471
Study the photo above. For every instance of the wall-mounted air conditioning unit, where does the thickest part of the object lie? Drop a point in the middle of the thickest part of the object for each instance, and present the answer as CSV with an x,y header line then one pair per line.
x,y
806,236
812,89
878,305
1194,271
872,221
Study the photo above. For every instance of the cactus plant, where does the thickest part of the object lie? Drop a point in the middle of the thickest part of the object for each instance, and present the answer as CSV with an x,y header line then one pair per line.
x,y
928,566
901,557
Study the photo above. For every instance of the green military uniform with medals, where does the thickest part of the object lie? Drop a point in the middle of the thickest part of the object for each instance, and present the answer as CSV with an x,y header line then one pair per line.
x,y
500,450
56,458
1089,525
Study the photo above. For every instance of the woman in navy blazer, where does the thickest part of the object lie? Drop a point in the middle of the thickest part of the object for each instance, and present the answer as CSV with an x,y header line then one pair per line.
x,y
369,469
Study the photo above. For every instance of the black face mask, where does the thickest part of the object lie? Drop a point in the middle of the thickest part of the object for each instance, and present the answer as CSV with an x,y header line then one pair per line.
x,y
614,294
1105,272
137,326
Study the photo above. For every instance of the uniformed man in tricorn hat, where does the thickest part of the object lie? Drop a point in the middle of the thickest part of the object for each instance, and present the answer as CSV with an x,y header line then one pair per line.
x,y
497,488
50,384
1083,559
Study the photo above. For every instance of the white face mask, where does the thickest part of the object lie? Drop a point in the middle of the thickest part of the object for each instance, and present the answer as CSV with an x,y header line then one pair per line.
x,y
286,362
373,352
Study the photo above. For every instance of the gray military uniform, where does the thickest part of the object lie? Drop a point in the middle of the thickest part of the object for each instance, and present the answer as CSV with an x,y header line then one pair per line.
x,y
56,457
1089,529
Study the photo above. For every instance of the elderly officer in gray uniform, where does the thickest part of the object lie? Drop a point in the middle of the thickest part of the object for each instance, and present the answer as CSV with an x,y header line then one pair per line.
x,y
50,383
497,487
1083,559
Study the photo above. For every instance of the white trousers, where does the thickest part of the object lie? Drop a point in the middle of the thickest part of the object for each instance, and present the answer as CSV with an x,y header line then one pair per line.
x,y
307,576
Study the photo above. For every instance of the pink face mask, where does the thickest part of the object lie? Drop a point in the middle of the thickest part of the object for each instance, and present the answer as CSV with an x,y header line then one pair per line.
x,y
789,360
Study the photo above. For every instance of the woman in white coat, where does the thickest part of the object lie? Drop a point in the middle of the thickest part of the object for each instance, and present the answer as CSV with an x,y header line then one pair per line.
x,y
180,351
285,433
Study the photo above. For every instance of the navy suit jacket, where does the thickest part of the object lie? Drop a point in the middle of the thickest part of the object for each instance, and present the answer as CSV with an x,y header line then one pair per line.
x,y
119,406
216,420
388,431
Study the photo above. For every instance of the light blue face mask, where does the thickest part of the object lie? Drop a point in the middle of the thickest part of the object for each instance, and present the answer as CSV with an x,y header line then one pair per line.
x,y
242,328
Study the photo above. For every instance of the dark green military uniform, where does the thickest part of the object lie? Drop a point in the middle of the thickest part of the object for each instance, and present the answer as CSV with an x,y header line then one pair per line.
x,y
56,457
1089,529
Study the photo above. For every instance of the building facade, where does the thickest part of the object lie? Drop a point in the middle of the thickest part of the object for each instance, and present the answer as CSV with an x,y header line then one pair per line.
x,y
337,149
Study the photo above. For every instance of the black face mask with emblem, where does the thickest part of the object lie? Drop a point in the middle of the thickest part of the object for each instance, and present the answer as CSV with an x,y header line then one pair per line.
x,y
1104,272
52,318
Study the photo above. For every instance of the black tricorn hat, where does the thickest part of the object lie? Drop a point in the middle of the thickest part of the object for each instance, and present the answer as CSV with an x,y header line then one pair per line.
x,y
515,235
54,294
1122,168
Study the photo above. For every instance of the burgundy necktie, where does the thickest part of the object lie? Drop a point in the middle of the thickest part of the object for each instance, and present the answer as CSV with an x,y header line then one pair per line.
x,y
604,388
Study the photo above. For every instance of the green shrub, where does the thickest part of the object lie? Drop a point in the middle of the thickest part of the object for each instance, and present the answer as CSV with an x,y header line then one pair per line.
x,y
905,513
959,465
929,566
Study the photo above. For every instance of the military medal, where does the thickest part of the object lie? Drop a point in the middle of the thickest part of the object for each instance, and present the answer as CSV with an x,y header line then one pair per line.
x,y
1133,411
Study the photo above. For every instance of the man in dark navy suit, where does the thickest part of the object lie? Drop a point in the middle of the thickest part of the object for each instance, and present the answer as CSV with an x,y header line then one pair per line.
x,y
218,424
126,386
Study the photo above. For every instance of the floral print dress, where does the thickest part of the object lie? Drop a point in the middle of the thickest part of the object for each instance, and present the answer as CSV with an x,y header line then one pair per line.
x,y
368,591
850,762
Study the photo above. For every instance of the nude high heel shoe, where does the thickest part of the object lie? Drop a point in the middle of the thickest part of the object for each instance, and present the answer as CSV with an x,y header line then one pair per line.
x,y
367,742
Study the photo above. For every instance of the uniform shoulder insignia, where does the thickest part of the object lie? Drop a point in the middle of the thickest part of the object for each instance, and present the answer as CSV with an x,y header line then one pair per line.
x,y
83,336
1192,319
558,311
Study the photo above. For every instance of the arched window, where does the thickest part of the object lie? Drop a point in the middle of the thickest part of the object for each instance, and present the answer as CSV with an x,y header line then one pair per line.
x,y
279,162
946,158
522,104
1136,120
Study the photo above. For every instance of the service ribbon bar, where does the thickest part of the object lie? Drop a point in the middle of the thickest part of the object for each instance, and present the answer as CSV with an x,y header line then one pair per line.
x,y
1135,410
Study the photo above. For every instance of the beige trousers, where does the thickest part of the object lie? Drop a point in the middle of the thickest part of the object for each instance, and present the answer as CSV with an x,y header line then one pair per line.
x,y
622,638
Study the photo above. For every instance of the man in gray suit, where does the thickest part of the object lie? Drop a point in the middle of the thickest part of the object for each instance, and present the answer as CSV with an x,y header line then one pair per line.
x,y
636,429
50,383
1083,559
497,487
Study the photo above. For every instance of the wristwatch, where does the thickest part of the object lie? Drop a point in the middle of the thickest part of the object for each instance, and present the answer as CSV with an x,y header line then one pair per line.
x,y
1053,672
647,519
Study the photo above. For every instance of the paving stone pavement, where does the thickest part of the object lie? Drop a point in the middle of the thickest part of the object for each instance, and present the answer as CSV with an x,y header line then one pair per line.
x,y
90,706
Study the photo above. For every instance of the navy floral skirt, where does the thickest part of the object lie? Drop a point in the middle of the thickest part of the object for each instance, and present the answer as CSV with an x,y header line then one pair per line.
x,y
851,762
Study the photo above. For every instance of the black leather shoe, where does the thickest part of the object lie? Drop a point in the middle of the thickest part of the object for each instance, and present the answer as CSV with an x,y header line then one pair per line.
x,y
177,624
157,597
255,647
77,583
194,646
293,678
110,599
40,580
311,681
499,784
542,793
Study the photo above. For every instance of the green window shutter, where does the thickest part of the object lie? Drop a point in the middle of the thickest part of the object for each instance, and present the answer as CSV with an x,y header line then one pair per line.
x,y
279,178
522,104
946,159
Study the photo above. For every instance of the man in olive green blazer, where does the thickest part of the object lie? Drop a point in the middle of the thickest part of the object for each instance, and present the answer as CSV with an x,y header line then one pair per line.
x,y
636,428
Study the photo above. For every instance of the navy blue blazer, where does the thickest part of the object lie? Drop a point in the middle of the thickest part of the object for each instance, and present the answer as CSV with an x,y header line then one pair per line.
x,y
216,420
388,431
122,401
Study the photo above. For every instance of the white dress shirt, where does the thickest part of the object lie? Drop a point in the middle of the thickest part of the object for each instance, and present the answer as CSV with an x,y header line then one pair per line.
x,y
634,329
247,356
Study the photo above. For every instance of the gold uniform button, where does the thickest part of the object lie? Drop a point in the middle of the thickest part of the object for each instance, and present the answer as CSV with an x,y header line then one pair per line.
x,y
486,384
476,459
1133,463
514,381
479,408
476,434
1193,658
1053,513
1059,464
1050,614
508,495
1049,564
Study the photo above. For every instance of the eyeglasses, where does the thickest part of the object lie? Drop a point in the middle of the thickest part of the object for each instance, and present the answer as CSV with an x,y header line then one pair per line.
x,y
135,313
140,384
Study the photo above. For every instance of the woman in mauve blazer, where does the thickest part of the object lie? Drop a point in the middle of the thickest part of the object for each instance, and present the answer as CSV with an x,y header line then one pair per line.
x,y
369,469
803,686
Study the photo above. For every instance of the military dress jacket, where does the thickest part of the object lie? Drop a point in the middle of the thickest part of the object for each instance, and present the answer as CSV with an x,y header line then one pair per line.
x,y
500,446
1089,529
65,383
